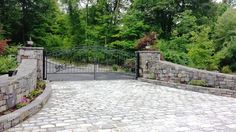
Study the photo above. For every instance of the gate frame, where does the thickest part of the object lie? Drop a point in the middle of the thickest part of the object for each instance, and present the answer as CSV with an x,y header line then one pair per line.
x,y
95,63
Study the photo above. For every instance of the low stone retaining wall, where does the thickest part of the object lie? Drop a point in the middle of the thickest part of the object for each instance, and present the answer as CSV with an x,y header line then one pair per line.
x,y
170,72
12,89
12,119
151,65
207,90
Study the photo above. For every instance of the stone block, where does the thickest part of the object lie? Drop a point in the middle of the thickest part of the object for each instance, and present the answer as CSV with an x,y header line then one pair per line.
x,y
15,122
9,90
1,96
1,127
5,97
2,102
3,108
6,125
3,89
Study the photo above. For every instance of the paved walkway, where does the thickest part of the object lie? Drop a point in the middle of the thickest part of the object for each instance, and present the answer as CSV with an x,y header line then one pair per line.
x,y
130,106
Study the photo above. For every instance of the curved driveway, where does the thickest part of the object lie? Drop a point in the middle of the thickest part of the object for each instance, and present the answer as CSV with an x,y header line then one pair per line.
x,y
130,106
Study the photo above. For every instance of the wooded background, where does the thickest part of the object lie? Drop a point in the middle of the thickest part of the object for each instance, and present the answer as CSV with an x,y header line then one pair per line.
x,y
197,33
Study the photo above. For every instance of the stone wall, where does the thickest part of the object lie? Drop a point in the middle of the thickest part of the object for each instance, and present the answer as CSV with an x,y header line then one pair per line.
x,y
12,89
18,116
200,89
173,73
32,53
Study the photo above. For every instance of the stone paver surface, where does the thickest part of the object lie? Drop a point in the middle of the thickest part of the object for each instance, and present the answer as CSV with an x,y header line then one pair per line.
x,y
130,106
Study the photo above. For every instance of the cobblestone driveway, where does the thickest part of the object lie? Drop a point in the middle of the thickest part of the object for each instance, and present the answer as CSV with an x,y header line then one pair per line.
x,y
130,106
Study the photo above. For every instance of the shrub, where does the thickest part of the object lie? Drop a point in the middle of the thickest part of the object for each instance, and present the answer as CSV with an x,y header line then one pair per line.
x,y
115,67
226,69
7,63
11,50
233,67
36,92
148,39
41,84
198,82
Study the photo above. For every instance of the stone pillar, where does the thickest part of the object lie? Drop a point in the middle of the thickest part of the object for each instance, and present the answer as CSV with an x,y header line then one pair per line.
x,y
32,53
148,61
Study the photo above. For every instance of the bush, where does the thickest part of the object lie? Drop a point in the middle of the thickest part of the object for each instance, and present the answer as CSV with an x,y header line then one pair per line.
x,y
36,92
177,57
226,69
41,84
233,67
115,67
7,63
198,83
12,51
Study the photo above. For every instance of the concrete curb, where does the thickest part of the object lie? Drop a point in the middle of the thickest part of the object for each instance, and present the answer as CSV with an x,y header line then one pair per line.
x,y
18,116
200,89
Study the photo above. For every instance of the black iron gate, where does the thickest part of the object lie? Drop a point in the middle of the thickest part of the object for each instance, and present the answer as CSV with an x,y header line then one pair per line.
x,y
89,63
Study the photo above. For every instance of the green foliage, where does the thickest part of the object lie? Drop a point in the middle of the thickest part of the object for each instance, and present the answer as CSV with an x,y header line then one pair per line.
x,y
185,22
115,67
125,45
226,69
8,59
7,63
132,26
201,50
174,51
1,32
198,83
12,51
20,105
188,30
33,94
225,39
225,29
41,84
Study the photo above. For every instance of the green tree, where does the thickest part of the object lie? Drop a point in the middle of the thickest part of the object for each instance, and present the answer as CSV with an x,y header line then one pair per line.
x,y
230,2
160,13
10,15
225,29
201,50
